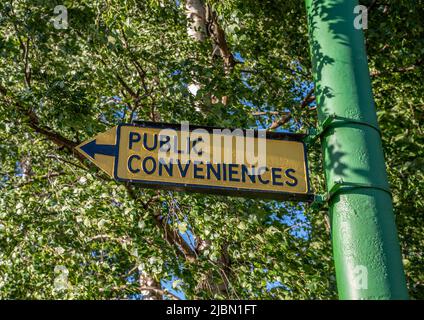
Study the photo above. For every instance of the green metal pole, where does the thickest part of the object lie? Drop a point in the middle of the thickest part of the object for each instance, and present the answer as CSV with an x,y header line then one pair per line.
x,y
365,245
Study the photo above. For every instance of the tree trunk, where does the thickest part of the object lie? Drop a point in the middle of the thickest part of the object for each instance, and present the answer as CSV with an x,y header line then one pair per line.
x,y
196,16
199,16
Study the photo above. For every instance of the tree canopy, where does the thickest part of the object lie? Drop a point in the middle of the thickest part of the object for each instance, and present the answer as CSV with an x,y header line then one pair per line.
x,y
68,231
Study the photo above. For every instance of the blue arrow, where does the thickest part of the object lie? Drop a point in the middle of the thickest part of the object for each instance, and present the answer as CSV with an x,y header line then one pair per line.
x,y
93,148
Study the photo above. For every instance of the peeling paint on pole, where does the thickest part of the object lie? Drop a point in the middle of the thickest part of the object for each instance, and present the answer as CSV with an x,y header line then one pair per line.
x,y
363,227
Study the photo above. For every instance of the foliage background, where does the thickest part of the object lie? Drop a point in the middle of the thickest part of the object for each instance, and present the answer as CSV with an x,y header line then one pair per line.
x,y
68,231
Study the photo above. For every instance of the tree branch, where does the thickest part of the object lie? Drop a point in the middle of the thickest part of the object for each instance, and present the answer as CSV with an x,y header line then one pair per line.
x,y
34,123
171,236
399,70
118,77
218,36
141,72
308,99
280,122
47,176
27,69
263,113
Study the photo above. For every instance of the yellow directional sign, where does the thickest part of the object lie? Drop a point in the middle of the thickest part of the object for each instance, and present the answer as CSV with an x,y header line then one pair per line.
x,y
203,159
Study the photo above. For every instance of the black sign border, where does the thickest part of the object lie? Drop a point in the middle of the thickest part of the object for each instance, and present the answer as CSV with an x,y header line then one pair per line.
x,y
227,191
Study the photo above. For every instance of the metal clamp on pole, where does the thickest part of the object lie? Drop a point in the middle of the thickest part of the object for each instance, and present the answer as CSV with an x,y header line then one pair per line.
x,y
321,199
333,121
341,186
